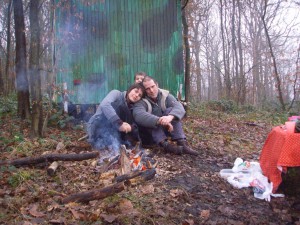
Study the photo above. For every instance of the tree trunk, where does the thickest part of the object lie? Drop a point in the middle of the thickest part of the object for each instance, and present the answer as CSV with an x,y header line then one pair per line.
x,y
8,78
21,70
1,79
34,72
278,80
227,80
187,55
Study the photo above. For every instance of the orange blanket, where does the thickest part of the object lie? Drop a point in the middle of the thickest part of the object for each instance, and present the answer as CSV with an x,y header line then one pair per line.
x,y
281,149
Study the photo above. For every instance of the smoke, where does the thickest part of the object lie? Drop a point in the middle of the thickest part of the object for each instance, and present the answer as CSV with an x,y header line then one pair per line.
x,y
103,136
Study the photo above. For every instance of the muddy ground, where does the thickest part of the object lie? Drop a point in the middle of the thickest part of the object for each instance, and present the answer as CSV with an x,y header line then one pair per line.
x,y
186,189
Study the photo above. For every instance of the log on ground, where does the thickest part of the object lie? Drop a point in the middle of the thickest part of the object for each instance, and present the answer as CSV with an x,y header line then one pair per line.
x,y
95,194
50,158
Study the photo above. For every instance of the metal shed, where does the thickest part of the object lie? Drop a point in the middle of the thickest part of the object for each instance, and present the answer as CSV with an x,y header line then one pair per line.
x,y
101,44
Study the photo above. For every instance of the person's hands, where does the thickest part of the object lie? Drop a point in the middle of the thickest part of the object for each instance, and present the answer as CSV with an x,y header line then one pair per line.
x,y
169,127
165,120
125,127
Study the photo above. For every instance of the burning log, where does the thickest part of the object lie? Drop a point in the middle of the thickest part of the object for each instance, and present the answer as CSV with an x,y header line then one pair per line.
x,y
50,158
136,176
52,168
144,176
95,194
128,176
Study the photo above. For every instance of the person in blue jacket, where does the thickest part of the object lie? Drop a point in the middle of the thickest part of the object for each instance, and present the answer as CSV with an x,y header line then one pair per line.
x,y
113,124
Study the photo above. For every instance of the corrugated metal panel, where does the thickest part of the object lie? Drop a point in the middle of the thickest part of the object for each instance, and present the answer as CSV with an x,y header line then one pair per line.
x,y
101,44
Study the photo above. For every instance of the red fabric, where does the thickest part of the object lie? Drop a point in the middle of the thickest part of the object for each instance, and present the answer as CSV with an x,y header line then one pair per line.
x,y
280,149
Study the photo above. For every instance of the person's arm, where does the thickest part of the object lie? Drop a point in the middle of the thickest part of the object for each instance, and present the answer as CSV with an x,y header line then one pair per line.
x,y
107,109
142,117
177,108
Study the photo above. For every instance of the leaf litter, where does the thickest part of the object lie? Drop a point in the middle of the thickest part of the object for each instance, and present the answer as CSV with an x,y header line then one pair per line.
x,y
186,189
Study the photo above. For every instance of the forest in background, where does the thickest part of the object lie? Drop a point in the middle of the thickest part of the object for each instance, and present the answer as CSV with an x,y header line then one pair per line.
x,y
245,52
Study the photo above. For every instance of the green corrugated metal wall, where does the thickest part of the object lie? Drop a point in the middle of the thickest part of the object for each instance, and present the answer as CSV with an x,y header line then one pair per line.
x,y
100,44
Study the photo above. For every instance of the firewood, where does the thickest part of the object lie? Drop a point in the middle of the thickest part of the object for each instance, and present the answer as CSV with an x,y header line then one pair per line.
x,y
52,168
50,158
128,176
94,194
106,166
144,176
136,176
125,162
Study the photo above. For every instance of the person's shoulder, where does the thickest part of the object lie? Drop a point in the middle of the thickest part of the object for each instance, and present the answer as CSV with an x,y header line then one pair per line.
x,y
115,91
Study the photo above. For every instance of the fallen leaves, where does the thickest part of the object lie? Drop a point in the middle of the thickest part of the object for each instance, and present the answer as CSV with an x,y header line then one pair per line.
x,y
33,210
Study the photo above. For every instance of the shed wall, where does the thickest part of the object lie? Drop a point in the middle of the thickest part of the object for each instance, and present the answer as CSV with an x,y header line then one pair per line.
x,y
100,44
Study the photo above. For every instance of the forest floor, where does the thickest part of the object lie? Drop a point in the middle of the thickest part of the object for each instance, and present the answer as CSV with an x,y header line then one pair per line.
x,y
186,189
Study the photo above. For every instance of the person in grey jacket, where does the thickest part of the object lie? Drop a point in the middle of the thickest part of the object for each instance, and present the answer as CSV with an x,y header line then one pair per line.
x,y
113,124
160,113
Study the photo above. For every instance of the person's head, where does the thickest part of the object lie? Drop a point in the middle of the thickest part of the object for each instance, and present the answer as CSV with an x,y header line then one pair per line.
x,y
139,76
135,92
151,86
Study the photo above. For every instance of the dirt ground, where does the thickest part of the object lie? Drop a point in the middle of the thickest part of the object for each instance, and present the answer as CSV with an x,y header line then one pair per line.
x,y
186,189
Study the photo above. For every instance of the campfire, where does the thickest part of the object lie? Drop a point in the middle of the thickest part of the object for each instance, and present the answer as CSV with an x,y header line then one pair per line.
x,y
130,167
126,162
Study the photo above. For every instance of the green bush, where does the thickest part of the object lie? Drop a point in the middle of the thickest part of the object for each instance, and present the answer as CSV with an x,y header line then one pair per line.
x,y
8,104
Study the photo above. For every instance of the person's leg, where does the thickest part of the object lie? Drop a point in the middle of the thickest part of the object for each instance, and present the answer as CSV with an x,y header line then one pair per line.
x,y
178,135
160,138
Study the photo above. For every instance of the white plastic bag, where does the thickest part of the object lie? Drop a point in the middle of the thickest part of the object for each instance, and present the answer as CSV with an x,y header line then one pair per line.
x,y
240,165
249,174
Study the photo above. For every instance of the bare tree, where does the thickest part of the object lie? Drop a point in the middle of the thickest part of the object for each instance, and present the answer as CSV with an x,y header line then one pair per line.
x,y
276,74
187,52
21,69
34,71
8,78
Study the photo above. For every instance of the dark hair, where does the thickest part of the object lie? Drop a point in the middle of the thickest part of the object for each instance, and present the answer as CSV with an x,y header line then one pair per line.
x,y
141,73
148,78
138,86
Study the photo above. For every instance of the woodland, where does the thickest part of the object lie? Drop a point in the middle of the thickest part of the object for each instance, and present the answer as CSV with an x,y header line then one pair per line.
x,y
241,64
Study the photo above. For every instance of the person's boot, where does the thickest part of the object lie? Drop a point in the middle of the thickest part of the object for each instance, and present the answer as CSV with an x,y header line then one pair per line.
x,y
186,148
170,148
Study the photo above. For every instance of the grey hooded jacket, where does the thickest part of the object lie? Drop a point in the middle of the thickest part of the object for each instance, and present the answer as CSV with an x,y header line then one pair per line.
x,y
149,119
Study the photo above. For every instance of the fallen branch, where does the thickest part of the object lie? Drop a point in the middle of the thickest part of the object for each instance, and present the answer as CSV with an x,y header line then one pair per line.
x,y
82,138
50,158
95,194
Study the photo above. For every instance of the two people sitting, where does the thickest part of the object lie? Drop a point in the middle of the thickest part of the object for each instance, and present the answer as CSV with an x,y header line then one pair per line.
x,y
143,108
